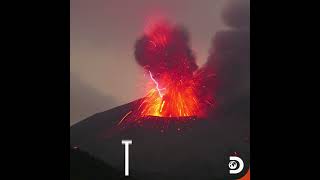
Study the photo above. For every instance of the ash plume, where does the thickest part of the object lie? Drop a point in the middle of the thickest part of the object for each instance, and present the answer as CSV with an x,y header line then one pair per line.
x,y
165,48
229,57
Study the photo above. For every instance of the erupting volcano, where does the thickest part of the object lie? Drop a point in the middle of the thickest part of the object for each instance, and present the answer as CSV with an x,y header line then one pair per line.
x,y
177,87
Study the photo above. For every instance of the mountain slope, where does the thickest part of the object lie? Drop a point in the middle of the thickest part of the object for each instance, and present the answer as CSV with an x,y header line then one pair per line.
x,y
191,149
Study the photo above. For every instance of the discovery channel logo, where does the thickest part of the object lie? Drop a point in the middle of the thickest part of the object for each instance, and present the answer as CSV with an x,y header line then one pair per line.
x,y
236,165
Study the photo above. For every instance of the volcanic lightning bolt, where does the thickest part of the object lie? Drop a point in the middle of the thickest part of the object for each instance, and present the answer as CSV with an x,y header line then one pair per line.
x,y
157,85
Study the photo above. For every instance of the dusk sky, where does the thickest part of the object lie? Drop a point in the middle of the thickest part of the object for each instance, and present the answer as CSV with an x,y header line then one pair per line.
x,y
104,73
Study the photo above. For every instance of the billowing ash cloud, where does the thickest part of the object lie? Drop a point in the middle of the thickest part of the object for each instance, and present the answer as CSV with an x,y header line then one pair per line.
x,y
236,14
229,56
165,48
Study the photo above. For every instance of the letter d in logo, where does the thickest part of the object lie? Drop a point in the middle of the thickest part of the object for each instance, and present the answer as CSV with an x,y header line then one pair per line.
x,y
235,165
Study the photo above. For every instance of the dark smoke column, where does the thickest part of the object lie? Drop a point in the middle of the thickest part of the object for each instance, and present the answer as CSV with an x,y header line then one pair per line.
x,y
230,56
165,49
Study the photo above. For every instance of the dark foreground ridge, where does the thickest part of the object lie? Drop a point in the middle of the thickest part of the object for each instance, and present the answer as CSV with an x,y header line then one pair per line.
x,y
189,148
83,166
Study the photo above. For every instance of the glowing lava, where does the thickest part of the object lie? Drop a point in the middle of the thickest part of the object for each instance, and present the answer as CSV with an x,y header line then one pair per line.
x,y
179,99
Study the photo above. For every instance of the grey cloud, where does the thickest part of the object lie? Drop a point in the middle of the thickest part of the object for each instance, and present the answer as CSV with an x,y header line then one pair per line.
x,y
86,101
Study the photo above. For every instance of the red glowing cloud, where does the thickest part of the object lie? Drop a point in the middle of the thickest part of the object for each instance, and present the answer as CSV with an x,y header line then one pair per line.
x,y
165,49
